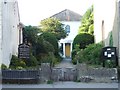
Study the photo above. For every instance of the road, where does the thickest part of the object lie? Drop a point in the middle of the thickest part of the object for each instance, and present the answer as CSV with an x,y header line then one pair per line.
x,y
63,85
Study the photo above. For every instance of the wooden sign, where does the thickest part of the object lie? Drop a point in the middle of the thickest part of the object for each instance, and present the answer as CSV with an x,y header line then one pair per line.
x,y
24,51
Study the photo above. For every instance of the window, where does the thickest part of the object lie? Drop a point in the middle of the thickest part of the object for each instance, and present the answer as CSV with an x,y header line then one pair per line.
x,y
67,28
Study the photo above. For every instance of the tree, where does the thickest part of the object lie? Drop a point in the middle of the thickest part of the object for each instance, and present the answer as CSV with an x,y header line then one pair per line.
x,y
30,33
52,40
54,26
87,22
43,46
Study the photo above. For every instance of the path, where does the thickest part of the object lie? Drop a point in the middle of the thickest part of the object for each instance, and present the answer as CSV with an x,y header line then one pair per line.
x,y
65,63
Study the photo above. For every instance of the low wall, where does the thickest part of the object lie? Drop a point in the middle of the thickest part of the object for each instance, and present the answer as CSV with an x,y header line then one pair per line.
x,y
97,74
45,73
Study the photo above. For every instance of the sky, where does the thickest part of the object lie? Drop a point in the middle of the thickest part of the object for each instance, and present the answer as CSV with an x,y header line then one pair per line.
x,y
33,11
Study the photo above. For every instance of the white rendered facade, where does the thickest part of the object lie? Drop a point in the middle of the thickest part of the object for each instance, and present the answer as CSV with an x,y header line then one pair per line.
x,y
74,27
9,30
0,33
107,20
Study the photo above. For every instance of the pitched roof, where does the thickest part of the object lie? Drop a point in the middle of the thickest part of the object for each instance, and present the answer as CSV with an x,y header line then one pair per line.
x,y
67,15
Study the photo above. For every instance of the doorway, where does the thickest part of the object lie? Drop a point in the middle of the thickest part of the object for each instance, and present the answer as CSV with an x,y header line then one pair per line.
x,y
67,50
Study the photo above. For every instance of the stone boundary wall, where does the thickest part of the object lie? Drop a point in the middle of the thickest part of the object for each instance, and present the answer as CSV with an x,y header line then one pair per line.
x,y
81,73
96,74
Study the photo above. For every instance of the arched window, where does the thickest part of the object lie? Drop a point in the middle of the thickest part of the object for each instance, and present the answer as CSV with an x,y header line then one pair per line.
x,y
67,28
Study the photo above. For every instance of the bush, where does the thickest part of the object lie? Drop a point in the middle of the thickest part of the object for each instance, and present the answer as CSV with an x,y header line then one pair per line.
x,y
90,55
110,63
74,61
3,67
32,62
19,68
16,62
49,82
83,39
48,58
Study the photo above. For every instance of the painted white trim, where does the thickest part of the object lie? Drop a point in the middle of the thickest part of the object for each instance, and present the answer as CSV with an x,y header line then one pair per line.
x,y
64,50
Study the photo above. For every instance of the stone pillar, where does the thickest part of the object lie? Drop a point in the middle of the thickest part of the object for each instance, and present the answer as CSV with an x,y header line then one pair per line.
x,y
64,50
45,72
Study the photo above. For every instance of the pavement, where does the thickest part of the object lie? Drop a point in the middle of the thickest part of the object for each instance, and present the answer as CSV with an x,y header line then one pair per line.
x,y
63,85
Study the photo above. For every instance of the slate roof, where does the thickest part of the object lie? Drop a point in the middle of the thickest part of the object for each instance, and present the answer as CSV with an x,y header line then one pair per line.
x,y
67,15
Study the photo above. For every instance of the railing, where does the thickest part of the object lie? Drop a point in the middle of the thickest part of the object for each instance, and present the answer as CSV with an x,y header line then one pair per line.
x,y
20,76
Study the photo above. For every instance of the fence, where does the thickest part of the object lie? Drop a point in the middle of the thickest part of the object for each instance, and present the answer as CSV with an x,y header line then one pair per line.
x,y
20,76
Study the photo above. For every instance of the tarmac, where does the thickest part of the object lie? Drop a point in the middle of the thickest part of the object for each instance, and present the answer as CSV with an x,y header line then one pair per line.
x,y
63,85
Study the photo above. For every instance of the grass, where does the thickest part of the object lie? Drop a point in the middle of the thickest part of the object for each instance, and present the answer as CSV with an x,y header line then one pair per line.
x,y
49,82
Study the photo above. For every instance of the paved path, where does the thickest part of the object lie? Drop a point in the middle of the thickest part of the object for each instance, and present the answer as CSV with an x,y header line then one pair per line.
x,y
65,63
63,85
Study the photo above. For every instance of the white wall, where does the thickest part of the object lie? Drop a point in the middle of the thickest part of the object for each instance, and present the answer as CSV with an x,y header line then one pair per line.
x,y
109,11
10,22
104,10
74,27
0,33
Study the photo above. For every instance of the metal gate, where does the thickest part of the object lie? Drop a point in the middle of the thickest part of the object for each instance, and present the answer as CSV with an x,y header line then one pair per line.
x,y
68,74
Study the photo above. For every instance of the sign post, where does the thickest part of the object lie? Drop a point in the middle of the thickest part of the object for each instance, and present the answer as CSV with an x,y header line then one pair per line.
x,y
24,51
109,53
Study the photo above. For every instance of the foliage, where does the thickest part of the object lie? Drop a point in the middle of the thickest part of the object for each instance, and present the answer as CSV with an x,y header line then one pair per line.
x,y
44,40
32,62
111,39
52,40
43,46
19,68
82,40
30,33
110,63
74,52
3,67
54,26
16,62
90,55
49,82
48,58
87,25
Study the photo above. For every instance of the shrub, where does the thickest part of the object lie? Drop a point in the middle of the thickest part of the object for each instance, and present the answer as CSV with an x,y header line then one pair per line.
x,y
15,62
74,61
32,62
48,58
49,82
3,67
74,52
19,68
110,63
90,55
83,39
